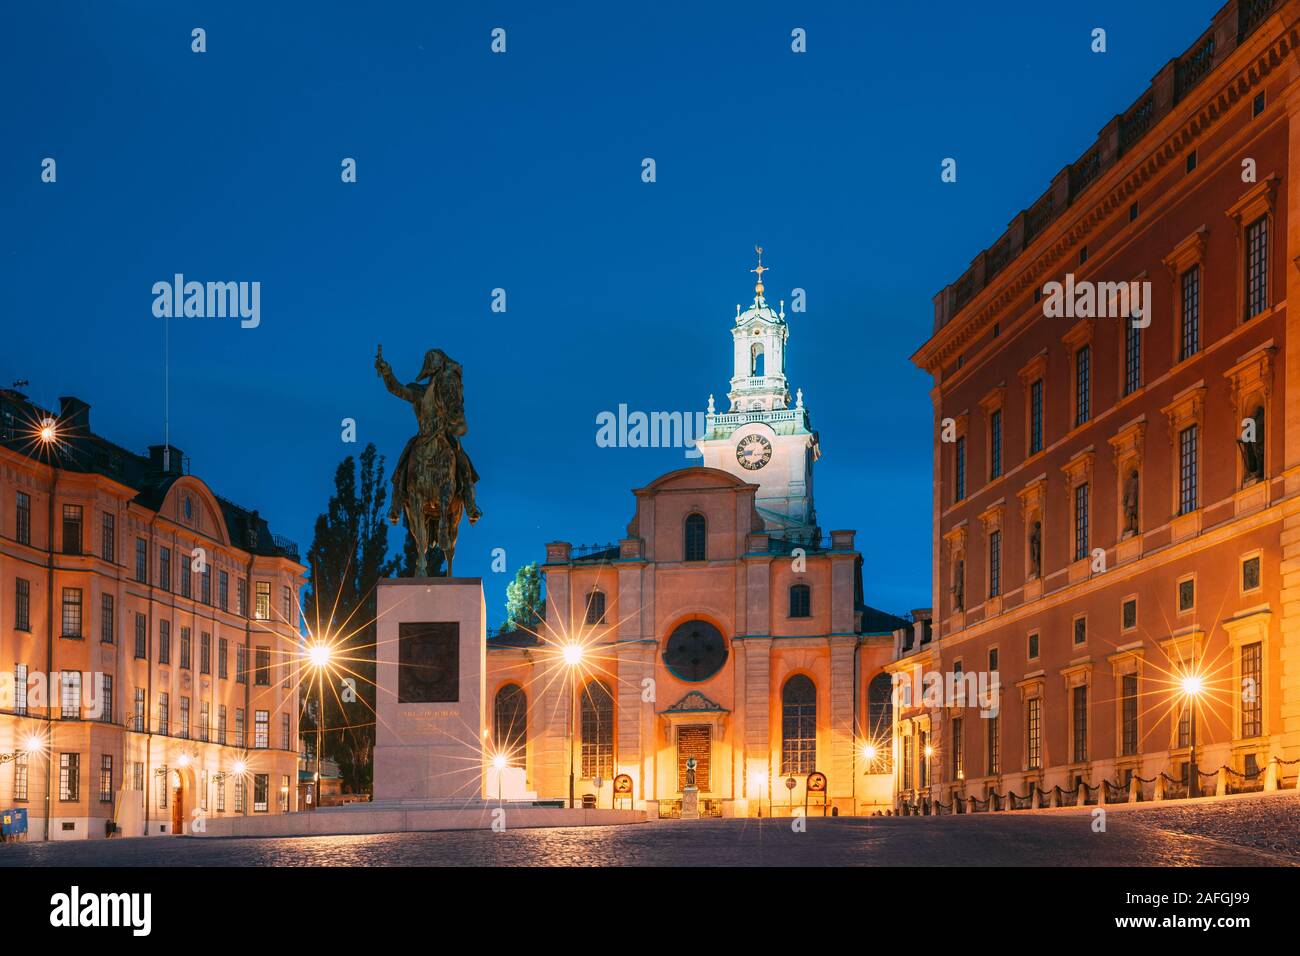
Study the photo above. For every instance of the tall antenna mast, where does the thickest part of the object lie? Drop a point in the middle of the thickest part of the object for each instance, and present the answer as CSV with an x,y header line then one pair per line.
x,y
167,395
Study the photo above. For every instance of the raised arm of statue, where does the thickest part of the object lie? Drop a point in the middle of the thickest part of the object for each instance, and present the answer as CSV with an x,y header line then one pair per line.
x,y
390,380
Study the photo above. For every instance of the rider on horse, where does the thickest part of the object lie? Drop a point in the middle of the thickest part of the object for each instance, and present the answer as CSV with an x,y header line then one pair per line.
x,y
439,409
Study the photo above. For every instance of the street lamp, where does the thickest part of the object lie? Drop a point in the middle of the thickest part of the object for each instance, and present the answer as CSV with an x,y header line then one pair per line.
x,y
1192,686
319,655
32,745
757,782
572,654
499,762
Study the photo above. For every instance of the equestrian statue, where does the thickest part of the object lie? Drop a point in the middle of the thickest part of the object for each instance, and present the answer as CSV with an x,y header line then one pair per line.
x,y
433,483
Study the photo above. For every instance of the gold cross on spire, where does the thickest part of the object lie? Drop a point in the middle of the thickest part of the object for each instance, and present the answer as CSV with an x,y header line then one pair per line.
x,y
758,286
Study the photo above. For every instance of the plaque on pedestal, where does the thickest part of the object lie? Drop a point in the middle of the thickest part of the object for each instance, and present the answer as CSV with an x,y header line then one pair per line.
x,y
429,672
691,803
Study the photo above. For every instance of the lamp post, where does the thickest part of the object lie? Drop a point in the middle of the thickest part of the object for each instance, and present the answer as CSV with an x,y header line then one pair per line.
x,y
1192,686
48,435
572,653
319,654
499,762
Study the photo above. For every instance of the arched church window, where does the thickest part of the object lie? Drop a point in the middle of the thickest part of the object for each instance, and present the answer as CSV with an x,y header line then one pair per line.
x,y
597,721
798,726
695,537
800,600
510,724
880,721
596,607
757,360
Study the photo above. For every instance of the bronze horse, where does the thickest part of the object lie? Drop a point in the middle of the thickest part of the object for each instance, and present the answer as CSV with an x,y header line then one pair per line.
x,y
433,482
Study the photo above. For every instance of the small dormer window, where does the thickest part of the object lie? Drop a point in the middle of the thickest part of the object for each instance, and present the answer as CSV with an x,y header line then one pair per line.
x,y
187,506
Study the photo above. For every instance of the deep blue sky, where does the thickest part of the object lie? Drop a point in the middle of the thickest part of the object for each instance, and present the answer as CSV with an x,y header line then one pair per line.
x,y
523,171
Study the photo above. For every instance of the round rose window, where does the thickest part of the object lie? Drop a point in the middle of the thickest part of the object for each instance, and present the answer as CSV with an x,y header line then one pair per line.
x,y
695,651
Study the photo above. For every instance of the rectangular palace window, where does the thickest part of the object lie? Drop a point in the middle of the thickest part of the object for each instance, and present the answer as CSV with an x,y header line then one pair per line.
x,y
995,563
1190,340
1082,385
108,538
1252,700
106,618
1034,732
261,729
70,776
72,529
1129,715
1132,358
1080,722
23,518
1036,417
106,778
72,612
20,688
1257,267
22,604
20,777
958,768
995,750
1187,470
959,474
1080,521
995,444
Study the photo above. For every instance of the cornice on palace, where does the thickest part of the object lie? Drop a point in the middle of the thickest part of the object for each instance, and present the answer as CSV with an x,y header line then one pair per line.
x,y
1113,191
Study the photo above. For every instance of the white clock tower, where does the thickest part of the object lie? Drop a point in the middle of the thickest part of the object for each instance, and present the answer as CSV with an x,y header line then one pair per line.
x,y
762,440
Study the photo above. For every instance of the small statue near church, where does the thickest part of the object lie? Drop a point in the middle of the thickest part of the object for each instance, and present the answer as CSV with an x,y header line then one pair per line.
x,y
959,586
690,771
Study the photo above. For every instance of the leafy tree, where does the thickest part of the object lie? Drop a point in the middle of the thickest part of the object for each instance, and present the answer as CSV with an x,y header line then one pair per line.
x,y
524,598
348,556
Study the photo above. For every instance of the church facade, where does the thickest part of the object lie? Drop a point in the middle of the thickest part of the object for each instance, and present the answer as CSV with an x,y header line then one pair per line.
x,y
724,627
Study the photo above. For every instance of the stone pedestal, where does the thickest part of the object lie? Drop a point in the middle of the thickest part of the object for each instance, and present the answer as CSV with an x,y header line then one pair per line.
x,y
430,667
691,803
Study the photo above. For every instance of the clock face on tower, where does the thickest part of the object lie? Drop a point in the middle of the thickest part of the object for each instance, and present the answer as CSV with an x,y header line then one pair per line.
x,y
753,452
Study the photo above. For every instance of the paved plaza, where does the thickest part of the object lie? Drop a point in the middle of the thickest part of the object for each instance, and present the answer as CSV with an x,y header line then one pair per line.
x,y
1243,831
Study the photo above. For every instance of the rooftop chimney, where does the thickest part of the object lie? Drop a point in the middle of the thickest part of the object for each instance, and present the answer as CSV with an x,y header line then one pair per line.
x,y
165,460
74,413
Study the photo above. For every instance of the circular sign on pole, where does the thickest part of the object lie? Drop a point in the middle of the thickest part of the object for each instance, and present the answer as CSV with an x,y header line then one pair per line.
x,y
816,782
790,783
623,785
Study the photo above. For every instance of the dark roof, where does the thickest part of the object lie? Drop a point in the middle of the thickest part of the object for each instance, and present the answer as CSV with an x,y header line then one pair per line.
x,y
875,621
513,638
151,476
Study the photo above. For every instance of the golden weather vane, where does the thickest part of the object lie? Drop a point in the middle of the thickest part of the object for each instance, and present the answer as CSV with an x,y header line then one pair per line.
x,y
758,286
